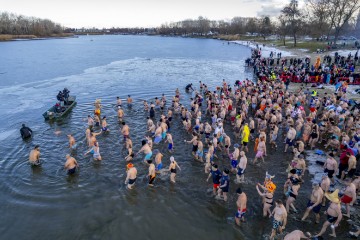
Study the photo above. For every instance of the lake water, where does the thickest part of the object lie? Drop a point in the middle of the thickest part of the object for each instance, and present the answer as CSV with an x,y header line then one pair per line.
x,y
45,203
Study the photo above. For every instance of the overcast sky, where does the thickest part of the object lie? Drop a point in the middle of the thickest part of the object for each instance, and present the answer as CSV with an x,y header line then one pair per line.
x,y
137,13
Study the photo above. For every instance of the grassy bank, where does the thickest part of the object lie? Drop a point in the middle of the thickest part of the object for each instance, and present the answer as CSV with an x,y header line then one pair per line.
x,y
9,37
309,46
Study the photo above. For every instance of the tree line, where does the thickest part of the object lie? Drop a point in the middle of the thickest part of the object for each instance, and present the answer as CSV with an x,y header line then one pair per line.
x,y
318,18
14,24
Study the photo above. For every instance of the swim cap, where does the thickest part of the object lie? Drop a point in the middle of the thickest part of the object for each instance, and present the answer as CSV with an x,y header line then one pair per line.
x,y
130,165
236,145
226,171
239,191
156,151
215,166
172,159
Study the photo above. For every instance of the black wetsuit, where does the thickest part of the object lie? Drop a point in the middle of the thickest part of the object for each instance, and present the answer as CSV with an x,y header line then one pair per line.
x,y
25,132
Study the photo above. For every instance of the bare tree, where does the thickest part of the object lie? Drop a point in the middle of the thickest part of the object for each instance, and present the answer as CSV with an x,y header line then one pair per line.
x,y
293,17
265,27
341,12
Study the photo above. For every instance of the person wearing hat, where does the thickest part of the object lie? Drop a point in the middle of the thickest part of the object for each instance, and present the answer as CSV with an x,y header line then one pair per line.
x,y
223,189
241,206
25,132
314,203
216,176
34,157
280,218
130,175
267,197
333,212
172,169
330,166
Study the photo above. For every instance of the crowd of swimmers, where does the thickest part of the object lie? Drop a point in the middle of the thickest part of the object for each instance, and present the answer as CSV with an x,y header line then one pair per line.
x,y
258,113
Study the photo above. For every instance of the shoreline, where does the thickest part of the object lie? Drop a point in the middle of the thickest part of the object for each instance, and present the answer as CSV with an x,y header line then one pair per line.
x,y
10,37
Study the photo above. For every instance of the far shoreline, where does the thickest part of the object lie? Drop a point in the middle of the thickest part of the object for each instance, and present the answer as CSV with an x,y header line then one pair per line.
x,y
10,37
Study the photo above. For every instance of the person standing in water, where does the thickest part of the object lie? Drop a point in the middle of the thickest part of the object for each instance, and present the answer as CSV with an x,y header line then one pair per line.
x,y
152,173
131,173
72,142
223,189
314,203
71,164
241,167
172,169
333,212
129,101
280,218
125,130
216,176
25,132
34,157
241,206
146,149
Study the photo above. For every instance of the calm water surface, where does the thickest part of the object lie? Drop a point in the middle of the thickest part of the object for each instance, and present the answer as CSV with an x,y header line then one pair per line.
x,y
45,203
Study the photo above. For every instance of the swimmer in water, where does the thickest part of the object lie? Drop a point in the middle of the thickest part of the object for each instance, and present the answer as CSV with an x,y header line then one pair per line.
x,y
70,165
34,157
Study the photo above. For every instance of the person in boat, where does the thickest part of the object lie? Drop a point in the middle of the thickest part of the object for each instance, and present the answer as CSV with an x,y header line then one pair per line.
x,y
189,87
25,132
66,95
57,108
60,98
34,157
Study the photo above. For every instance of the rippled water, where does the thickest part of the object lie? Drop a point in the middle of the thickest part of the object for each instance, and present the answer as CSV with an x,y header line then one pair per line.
x,y
45,203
